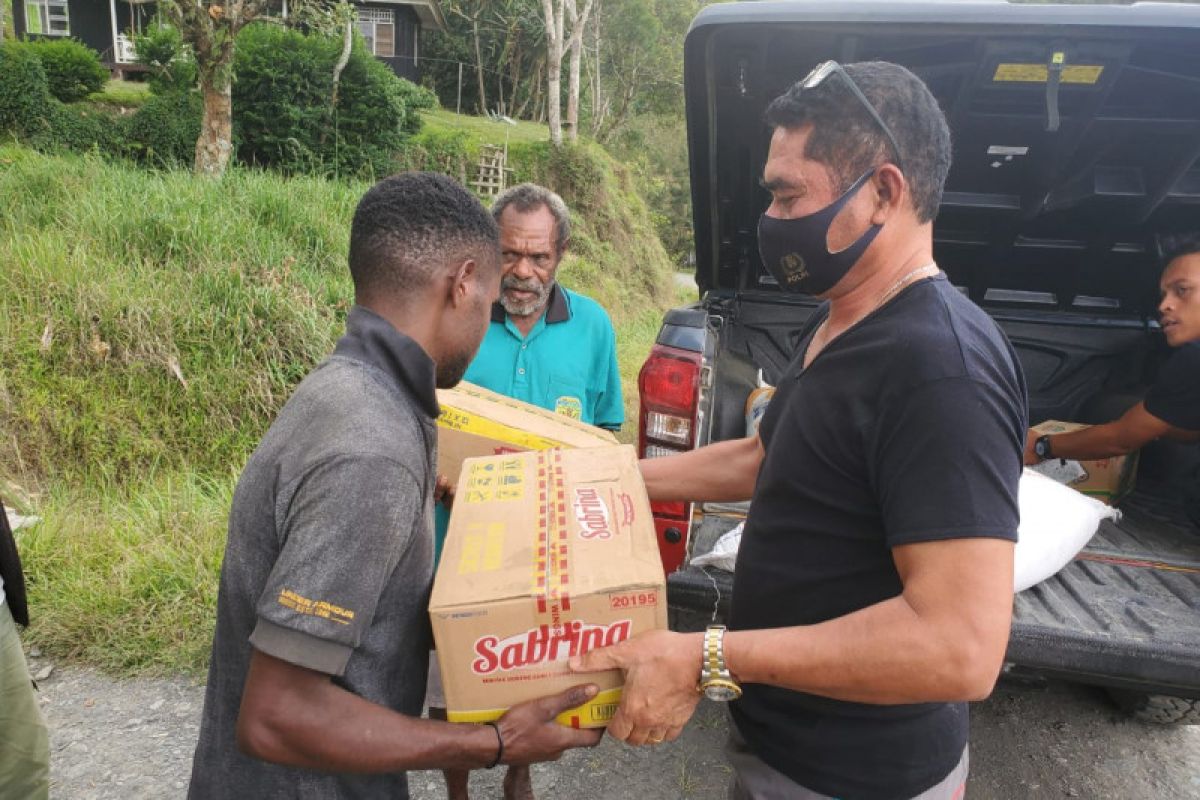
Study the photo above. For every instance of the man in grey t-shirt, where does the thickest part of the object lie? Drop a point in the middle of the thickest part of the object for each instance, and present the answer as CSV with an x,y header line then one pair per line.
x,y
320,653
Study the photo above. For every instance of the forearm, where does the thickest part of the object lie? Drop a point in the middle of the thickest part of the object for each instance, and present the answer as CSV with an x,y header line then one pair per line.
x,y
1098,441
331,729
722,472
883,654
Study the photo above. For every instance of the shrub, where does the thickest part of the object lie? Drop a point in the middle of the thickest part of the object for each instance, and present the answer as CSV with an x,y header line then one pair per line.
x,y
164,131
27,108
369,126
433,150
81,129
281,97
73,69
282,113
162,51
416,99
25,101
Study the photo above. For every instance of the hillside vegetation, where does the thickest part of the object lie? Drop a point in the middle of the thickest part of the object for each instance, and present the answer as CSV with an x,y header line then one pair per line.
x,y
152,324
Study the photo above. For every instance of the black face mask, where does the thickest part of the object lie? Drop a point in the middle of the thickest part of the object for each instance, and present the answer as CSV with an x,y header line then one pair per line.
x,y
795,252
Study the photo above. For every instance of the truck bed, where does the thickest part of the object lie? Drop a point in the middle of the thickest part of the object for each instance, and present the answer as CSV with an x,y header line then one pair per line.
x,y
1124,613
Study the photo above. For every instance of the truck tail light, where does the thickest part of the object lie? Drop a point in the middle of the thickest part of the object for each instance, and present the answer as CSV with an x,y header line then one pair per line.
x,y
669,390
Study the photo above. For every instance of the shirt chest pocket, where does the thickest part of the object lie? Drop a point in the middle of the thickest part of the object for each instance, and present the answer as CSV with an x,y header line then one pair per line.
x,y
567,394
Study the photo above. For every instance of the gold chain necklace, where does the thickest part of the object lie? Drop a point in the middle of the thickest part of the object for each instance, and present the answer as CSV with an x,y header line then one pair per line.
x,y
927,271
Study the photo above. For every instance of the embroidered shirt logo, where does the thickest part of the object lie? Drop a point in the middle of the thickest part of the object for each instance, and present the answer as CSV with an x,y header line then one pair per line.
x,y
569,406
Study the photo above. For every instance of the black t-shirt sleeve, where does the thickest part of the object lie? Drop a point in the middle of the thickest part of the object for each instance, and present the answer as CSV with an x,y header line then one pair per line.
x,y
948,462
344,527
1175,396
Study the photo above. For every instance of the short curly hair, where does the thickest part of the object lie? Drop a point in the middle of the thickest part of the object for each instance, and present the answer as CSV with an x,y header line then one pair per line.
x,y
530,197
848,141
408,225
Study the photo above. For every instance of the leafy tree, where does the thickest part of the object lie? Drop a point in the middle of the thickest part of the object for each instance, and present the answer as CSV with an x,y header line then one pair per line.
x,y
161,50
639,67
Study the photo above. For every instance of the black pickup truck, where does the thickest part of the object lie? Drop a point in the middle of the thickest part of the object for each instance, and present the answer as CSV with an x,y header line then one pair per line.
x,y
1076,144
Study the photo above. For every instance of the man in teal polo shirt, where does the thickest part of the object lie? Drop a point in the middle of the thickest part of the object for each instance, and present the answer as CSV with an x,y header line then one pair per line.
x,y
547,346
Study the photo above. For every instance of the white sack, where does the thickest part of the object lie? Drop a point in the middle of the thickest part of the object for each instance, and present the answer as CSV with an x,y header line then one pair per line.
x,y
1061,470
724,552
1056,523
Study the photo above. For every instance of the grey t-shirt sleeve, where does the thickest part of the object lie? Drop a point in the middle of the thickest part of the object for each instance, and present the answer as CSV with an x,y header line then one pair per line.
x,y
343,527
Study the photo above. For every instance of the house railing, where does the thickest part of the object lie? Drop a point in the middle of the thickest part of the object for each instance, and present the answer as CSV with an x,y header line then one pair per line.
x,y
126,54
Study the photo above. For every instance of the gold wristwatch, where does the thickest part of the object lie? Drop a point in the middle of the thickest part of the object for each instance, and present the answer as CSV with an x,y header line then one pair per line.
x,y
715,680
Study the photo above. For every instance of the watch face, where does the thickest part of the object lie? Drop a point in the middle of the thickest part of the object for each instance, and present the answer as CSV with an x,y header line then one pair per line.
x,y
721,693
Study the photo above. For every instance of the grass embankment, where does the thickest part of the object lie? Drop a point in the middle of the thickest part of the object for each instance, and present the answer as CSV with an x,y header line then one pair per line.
x,y
484,130
151,325
124,94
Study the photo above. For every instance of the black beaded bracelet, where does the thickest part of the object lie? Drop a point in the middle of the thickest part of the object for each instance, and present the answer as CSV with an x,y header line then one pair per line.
x,y
499,745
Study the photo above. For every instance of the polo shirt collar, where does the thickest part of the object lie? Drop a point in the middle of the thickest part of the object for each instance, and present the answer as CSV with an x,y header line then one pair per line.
x,y
557,307
373,340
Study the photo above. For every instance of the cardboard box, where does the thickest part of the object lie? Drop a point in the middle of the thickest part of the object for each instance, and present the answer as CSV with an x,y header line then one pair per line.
x,y
549,553
1107,479
476,422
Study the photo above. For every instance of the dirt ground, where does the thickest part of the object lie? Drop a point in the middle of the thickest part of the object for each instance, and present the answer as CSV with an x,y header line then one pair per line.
x,y
133,739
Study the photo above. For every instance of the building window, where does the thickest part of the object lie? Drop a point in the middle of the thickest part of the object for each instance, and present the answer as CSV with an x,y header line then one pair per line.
x,y
47,17
378,27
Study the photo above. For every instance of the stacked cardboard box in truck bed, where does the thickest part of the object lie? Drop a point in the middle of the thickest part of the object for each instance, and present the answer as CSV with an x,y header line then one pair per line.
x,y
1106,479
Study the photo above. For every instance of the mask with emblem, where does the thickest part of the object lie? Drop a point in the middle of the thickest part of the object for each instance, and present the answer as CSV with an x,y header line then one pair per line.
x,y
795,251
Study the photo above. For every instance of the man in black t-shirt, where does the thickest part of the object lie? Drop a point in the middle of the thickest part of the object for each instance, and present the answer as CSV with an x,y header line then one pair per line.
x,y
873,590
1171,408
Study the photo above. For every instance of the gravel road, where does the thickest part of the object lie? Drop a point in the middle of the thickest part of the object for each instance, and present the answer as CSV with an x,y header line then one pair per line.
x,y
133,739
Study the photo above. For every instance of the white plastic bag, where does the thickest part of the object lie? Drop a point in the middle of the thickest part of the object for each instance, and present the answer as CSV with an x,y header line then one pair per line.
x,y
1056,523
1062,470
724,552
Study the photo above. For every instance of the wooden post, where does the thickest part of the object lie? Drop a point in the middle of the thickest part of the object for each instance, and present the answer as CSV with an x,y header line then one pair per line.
x,y
112,13
458,106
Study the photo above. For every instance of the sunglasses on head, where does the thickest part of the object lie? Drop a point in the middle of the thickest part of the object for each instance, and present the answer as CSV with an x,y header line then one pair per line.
x,y
827,68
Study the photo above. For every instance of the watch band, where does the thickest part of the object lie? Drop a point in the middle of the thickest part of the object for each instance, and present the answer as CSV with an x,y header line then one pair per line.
x,y
716,681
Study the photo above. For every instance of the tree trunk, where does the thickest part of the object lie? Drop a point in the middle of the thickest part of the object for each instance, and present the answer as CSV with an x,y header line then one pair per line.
x,y
538,115
572,125
554,98
554,41
215,144
598,109
514,80
479,65
622,113
347,43
575,46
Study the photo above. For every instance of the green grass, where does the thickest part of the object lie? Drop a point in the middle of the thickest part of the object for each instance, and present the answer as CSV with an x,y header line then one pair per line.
x,y
482,130
151,325
129,94
126,579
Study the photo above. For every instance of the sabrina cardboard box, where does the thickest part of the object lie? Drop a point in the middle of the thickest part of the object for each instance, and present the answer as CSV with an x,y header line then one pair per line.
x,y
549,554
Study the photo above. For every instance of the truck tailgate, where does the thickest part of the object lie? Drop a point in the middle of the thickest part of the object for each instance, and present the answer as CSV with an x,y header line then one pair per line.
x,y
1116,614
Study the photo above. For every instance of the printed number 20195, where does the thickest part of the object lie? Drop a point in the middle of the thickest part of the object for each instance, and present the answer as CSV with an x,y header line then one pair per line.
x,y
633,600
